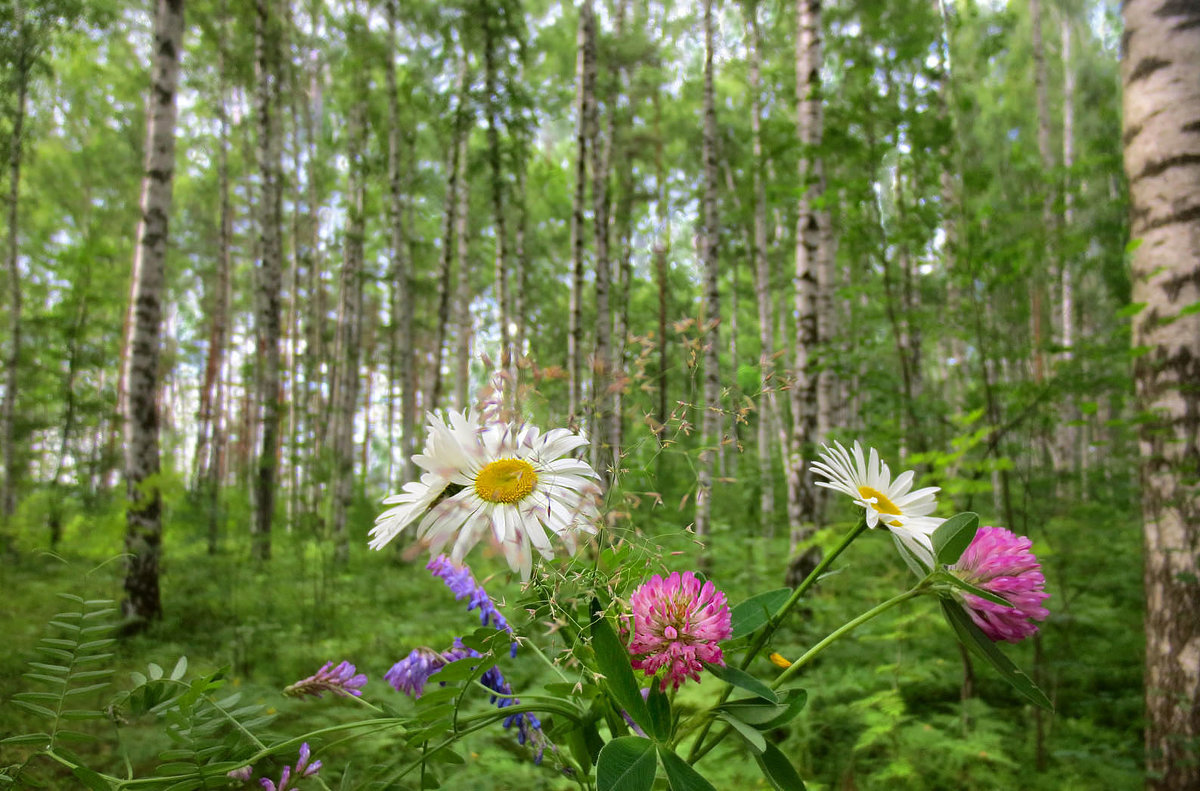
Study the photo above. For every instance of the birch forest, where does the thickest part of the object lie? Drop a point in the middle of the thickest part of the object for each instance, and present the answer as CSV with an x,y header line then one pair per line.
x,y
253,247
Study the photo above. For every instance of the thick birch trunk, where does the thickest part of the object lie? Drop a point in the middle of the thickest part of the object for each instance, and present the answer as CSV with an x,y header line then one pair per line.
x,y
143,520
1161,72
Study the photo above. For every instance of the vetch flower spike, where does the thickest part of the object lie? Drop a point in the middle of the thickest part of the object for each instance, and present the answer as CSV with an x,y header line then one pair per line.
x,y
301,770
340,680
1002,563
509,480
460,580
410,674
677,623
868,481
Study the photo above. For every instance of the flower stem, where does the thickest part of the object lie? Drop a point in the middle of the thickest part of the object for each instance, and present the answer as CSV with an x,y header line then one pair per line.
x,y
776,621
772,625
812,653
843,630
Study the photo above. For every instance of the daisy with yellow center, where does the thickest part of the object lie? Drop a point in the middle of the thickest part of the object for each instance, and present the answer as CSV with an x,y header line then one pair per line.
x,y
869,482
509,481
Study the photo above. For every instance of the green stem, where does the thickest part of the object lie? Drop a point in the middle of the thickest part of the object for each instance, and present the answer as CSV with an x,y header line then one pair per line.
x,y
777,621
812,653
843,630
769,630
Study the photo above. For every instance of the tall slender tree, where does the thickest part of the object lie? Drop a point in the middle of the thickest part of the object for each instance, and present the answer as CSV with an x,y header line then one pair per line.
x,y
585,99
22,67
349,335
710,404
805,374
1160,72
143,518
269,317
768,412
400,278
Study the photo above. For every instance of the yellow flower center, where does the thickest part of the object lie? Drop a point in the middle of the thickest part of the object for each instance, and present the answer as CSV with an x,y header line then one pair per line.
x,y
882,504
505,481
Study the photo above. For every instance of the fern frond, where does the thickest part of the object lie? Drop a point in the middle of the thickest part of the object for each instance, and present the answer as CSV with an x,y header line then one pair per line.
x,y
76,652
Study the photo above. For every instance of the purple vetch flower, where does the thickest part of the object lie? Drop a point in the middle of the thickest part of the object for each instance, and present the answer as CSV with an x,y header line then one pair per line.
x,y
1001,562
460,580
340,680
242,773
410,673
301,770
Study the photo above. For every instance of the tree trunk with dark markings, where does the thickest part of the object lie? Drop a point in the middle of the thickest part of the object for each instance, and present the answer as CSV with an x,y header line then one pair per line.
x,y
1161,74
143,518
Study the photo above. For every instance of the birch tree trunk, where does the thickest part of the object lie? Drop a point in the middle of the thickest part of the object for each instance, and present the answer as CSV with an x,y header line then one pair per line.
x,y
661,250
602,369
143,518
1161,72
1038,298
8,496
805,375
270,272
208,441
466,328
710,405
403,301
449,226
491,58
768,411
585,75
349,336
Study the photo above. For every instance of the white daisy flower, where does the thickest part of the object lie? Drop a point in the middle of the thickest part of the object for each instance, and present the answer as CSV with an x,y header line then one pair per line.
x,y
510,479
869,482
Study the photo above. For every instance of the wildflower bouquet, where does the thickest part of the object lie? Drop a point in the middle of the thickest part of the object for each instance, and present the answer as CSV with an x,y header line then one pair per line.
x,y
616,638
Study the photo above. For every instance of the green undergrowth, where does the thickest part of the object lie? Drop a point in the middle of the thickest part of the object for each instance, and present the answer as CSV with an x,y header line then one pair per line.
x,y
886,711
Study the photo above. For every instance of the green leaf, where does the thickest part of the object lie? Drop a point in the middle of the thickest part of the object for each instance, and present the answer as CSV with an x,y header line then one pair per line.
x,y
28,738
681,776
613,662
463,669
742,680
917,565
90,779
754,711
974,590
180,669
779,770
977,641
626,764
794,703
748,733
41,711
754,613
660,713
1132,309
953,537
156,672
